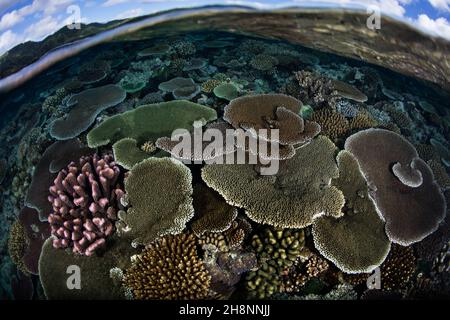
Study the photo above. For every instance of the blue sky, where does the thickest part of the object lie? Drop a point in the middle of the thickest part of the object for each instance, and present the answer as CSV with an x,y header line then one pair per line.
x,y
24,20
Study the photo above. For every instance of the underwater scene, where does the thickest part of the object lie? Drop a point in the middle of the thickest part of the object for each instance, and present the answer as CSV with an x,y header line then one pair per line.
x,y
226,153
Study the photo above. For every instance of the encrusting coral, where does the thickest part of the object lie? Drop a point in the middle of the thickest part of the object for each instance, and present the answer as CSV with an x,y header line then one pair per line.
x,y
159,193
168,269
85,108
355,242
86,199
401,184
275,249
293,198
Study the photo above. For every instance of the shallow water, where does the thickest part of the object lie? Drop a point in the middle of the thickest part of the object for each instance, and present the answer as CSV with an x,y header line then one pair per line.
x,y
399,83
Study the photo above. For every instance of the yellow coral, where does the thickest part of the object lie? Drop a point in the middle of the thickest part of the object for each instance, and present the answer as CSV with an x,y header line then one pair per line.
x,y
168,269
17,244
333,124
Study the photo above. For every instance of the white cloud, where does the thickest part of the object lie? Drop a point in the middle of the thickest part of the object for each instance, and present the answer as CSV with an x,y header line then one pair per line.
x,y
443,5
439,27
46,7
130,13
8,40
44,27
110,3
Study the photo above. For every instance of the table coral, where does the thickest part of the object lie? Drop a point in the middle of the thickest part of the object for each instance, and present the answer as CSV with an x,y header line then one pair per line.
x,y
293,198
86,199
401,184
212,213
356,242
86,106
168,269
154,214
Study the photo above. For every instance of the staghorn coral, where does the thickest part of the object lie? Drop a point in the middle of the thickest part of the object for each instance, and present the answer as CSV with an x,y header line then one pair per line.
x,y
86,106
291,199
356,242
95,272
332,124
275,249
402,185
212,213
154,214
17,244
168,269
316,90
86,199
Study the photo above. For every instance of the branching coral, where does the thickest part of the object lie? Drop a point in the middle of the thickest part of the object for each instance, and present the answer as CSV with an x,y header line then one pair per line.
x,y
401,184
357,241
315,90
333,124
168,269
86,106
154,214
363,120
209,85
275,249
298,194
86,199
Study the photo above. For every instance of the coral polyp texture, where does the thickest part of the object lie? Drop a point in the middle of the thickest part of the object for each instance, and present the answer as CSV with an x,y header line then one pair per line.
x,y
159,193
168,269
85,199
401,184
85,108
355,242
293,198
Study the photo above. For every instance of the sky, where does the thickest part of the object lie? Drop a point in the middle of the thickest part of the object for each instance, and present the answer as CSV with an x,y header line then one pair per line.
x,y
33,20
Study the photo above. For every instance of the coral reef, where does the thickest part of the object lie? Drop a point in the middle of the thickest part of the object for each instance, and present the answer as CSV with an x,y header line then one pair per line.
x,y
55,158
333,124
86,200
227,91
291,199
153,214
180,88
85,108
168,269
275,249
404,191
212,213
356,242
17,244
94,272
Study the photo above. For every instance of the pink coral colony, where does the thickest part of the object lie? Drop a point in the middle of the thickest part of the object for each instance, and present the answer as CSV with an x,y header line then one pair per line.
x,y
85,200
